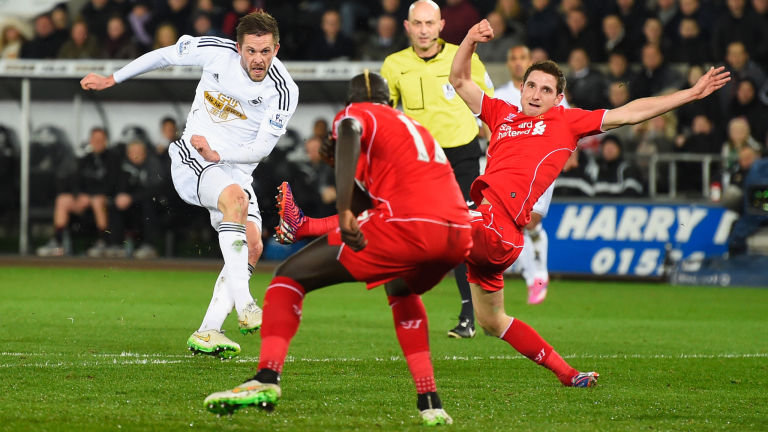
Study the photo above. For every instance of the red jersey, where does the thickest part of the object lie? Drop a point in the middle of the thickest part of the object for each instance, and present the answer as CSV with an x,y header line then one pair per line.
x,y
526,153
401,166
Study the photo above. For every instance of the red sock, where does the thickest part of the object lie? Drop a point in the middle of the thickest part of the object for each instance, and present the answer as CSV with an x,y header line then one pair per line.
x,y
282,315
413,334
315,227
524,339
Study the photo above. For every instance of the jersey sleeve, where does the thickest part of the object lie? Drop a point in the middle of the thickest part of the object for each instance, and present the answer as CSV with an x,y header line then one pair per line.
x,y
490,109
480,75
584,122
387,73
187,51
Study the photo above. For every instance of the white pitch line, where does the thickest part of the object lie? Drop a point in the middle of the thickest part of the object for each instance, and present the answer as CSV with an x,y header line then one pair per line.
x,y
129,359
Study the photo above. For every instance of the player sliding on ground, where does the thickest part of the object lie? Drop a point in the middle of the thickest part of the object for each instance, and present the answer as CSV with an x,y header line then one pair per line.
x,y
242,105
408,240
527,151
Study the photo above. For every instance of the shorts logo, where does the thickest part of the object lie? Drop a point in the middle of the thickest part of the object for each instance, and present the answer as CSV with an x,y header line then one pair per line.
x,y
222,108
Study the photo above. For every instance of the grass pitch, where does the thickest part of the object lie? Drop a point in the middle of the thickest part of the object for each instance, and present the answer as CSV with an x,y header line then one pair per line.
x,y
104,349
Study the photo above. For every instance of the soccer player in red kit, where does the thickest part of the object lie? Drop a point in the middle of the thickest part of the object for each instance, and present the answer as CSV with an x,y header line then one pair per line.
x,y
408,239
527,151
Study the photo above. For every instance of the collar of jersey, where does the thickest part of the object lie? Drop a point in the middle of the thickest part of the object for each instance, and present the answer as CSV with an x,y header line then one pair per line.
x,y
440,41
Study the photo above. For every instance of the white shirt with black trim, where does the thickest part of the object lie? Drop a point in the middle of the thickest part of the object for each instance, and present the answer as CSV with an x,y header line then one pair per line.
x,y
241,119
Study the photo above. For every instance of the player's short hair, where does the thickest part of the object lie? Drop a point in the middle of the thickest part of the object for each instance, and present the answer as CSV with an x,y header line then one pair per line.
x,y
257,23
368,87
551,68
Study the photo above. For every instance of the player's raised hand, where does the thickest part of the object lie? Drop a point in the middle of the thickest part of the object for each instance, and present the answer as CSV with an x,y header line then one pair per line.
x,y
94,81
480,32
200,144
350,231
714,79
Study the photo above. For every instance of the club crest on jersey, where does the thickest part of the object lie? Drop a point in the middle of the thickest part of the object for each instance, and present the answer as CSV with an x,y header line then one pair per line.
x,y
448,91
222,108
255,102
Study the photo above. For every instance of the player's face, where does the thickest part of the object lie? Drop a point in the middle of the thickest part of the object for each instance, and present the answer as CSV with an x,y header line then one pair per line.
x,y
256,54
539,93
518,61
424,26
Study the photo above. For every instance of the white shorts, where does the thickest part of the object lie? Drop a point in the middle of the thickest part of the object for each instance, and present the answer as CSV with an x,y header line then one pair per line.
x,y
542,205
199,182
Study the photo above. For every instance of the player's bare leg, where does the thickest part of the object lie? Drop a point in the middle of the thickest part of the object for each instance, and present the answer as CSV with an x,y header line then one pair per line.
x,y
412,331
490,314
62,207
313,267
98,204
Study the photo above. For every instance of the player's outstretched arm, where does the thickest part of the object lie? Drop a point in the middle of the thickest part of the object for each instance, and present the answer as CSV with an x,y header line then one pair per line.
x,y
94,81
640,110
347,153
461,68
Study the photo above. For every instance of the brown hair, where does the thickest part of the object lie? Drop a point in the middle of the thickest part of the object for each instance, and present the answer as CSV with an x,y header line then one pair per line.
x,y
551,68
257,23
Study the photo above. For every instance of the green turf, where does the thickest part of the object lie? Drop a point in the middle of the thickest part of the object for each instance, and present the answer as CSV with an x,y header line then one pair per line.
x,y
104,349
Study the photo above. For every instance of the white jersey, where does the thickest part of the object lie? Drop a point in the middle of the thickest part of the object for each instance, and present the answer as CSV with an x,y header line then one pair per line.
x,y
511,93
241,119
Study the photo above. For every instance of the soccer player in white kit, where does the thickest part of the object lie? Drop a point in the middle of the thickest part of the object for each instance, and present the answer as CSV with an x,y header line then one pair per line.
x,y
242,105
532,261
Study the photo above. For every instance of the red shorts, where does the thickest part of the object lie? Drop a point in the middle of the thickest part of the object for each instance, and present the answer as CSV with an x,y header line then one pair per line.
x,y
418,250
496,245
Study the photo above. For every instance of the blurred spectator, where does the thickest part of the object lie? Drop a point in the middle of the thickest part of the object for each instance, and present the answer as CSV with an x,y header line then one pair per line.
x,y
212,10
175,12
134,205
543,25
703,14
95,13
12,38
459,16
496,49
387,39
240,8
202,25
320,128
142,26
737,61
749,221
760,9
669,15
46,43
60,18
616,177
318,181
618,95
651,137
746,105
587,87
330,44
539,54
739,24
615,37
701,139
81,45
633,14
618,69
513,14
89,190
119,43
165,35
707,107
733,180
655,75
690,46
577,34
739,136
576,180
653,33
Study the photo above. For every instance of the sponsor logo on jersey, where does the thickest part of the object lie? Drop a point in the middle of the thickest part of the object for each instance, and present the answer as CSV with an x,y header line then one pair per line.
x,y
523,128
277,120
254,102
222,108
216,77
183,47
448,91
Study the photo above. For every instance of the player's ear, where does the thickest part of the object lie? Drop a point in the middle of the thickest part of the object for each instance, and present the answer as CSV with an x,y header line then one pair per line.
x,y
559,99
277,48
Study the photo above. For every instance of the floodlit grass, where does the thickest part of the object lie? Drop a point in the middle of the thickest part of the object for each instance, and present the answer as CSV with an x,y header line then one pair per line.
x,y
104,349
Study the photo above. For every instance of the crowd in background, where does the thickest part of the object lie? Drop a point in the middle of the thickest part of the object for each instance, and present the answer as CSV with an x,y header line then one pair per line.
x,y
613,52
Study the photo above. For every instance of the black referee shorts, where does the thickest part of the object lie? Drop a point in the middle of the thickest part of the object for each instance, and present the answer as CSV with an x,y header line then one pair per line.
x,y
465,161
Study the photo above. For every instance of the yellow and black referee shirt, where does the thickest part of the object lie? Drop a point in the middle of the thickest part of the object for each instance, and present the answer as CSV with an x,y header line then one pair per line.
x,y
426,95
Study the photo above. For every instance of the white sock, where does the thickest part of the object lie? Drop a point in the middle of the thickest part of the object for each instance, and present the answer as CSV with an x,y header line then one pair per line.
x,y
526,260
234,248
221,305
540,243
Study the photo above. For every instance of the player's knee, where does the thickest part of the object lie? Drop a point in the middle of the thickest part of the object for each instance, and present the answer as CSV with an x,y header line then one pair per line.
x,y
233,203
493,325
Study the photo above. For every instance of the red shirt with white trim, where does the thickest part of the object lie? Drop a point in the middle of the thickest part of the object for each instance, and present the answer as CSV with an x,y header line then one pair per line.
x,y
526,153
401,166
